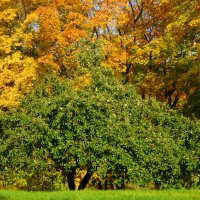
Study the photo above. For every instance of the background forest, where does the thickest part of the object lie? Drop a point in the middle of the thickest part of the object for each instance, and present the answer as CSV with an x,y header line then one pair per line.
x,y
100,94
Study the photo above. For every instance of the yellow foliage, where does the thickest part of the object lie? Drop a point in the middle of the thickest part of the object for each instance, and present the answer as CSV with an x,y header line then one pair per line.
x,y
6,43
165,1
8,15
17,74
116,56
195,23
82,81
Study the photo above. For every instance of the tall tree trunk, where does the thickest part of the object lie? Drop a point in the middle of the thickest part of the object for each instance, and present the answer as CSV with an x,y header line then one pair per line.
x,y
85,180
70,179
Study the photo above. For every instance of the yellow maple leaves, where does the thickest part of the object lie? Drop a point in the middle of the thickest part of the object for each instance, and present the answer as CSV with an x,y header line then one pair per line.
x,y
17,74
8,15
195,22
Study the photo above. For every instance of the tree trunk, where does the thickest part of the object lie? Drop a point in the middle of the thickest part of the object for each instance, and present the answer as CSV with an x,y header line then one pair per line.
x,y
70,179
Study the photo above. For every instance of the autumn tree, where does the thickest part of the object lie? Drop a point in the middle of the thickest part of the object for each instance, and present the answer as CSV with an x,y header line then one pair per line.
x,y
38,36
153,44
175,54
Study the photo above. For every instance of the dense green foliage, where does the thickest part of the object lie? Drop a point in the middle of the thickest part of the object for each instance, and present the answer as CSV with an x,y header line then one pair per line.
x,y
192,108
103,128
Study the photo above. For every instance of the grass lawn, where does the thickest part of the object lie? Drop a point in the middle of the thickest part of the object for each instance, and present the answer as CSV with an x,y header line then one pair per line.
x,y
102,195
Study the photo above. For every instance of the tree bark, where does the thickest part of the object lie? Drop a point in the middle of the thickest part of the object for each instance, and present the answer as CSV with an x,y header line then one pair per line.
x,y
70,179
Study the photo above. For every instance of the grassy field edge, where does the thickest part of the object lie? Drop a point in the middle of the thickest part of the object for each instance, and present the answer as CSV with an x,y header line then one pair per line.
x,y
102,195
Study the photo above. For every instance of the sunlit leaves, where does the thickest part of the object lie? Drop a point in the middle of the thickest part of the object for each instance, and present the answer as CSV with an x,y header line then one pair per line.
x,y
38,36
158,40
17,74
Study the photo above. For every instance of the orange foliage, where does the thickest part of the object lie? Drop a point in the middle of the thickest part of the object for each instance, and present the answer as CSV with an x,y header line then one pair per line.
x,y
151,43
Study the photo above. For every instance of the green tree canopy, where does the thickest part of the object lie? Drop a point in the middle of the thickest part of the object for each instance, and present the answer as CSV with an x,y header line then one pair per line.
x,y
101,127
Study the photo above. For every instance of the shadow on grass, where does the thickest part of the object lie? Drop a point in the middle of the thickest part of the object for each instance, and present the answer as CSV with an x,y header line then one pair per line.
x,y
4,198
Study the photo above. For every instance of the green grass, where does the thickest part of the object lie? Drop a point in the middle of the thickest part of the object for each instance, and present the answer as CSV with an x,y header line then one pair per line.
x,y
102,195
